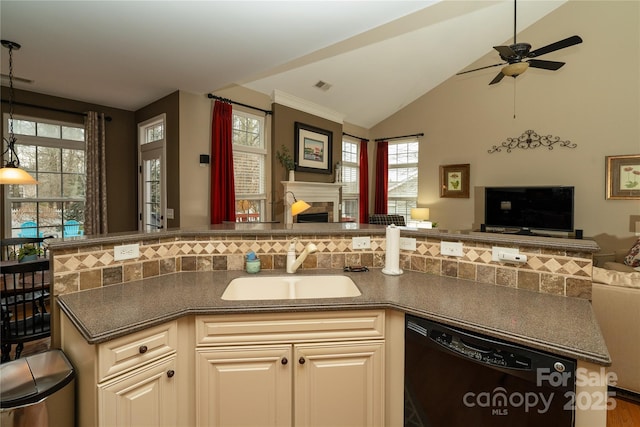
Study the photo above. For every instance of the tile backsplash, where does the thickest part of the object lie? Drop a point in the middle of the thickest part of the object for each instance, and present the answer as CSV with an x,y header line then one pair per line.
x,y
551,271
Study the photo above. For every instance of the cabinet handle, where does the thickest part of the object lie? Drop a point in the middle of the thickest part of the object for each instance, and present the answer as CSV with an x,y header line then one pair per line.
x,y
284,361
143,349
171,373
301,360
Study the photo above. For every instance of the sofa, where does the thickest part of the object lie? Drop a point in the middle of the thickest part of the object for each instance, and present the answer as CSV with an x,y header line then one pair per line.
x,y
616,304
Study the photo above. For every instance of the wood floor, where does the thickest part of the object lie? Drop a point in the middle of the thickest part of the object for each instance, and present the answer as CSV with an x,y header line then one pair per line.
x,y
625,414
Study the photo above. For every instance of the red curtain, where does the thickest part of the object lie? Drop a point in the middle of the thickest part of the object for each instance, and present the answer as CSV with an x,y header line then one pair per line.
x,y
364,183
382,172
223,197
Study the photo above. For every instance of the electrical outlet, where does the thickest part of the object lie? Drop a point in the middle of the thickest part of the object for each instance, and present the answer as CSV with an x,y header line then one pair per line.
x,y
451,248
408,243
361,242
123,252
496,250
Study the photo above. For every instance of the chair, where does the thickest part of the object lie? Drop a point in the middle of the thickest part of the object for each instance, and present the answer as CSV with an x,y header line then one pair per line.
x,y
23,300
72,228
29,229
387,219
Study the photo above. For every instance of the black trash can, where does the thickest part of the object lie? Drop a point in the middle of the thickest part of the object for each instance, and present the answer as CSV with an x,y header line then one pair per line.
x,y
38,390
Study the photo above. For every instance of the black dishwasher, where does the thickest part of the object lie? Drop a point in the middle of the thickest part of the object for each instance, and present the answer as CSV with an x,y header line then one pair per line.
x,y
455,378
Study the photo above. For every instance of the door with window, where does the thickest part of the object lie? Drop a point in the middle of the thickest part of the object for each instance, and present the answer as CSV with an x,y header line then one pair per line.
x,y
152,186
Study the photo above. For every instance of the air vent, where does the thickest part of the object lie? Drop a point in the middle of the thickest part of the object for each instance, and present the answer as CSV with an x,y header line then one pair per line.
x,y
323,85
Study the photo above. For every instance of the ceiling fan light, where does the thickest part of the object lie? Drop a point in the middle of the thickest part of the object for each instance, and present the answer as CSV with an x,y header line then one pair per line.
x,y
515,69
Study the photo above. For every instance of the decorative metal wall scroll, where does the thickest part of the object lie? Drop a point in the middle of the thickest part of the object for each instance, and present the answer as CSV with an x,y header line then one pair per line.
x,y
530,139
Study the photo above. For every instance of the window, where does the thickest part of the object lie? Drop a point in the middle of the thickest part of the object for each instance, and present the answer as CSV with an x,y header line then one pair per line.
x,y
403,177
152,186
249,159
350,176
54,154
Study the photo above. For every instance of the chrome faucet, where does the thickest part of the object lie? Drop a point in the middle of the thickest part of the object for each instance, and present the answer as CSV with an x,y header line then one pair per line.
x,y
294,263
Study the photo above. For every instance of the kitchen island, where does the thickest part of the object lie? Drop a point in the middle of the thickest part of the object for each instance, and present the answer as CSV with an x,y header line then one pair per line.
x,y
547,321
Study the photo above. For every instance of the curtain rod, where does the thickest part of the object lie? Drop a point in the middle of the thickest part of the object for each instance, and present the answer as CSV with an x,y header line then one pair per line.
x,y
357,137
211,96
59,110
399,137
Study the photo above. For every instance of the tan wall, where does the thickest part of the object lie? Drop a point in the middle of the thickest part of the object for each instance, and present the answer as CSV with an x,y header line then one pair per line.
x,y
594,101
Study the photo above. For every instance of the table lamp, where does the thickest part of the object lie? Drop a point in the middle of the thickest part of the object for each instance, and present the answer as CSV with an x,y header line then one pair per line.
x,y
421,215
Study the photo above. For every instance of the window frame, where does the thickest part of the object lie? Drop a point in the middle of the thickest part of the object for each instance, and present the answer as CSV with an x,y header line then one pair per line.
x,y
410,201
350,196
44,142
260,198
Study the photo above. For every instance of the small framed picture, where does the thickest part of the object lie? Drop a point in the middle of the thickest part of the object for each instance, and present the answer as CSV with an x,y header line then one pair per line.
x,y
454,181
623,177
312,149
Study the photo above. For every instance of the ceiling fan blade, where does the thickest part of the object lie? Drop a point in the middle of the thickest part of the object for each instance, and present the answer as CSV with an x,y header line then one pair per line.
x,y
506,52
481,68
547,65
497,78
569,41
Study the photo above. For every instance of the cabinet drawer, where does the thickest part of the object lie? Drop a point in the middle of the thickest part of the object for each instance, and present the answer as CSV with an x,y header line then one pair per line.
x,y
289,327
128,352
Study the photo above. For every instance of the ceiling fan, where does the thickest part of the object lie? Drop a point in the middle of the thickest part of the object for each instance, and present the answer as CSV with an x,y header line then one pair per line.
x,y
519,56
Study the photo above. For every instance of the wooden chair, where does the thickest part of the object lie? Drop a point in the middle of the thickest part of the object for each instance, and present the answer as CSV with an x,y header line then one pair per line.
x,y
72,228
24,296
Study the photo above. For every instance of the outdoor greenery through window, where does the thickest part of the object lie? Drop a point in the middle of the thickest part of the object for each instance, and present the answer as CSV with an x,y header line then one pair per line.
x,y
350,177
403,177
249,158
54,154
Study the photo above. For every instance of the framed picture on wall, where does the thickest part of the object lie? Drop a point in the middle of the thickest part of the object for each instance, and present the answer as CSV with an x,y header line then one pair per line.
x,y
623,177
312,147
454,181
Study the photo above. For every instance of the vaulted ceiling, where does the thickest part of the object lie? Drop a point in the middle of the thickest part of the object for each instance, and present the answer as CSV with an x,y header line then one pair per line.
x,y
375,56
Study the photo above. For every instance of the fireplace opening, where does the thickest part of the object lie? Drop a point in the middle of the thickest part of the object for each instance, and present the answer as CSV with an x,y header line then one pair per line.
x,y
313,217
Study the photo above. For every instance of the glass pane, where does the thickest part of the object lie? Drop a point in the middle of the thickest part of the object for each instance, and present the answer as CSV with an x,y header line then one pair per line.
x,y
248,173
350,179
50,214
49,159
350,210
22,212
74,210
248,210
50,185
152,195
349,152
154,133
403,182
72,161
23,127
73,186
48,130
247,131
27,156
73,133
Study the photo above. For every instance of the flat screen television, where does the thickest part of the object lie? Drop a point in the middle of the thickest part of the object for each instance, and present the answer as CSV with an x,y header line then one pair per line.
x,y
528,208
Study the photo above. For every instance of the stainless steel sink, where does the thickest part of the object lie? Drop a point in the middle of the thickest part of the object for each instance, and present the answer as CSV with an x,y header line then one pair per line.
x,y
290,287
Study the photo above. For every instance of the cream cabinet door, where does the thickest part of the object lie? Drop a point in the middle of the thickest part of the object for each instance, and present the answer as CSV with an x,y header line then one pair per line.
x,y
144,397
244,386
339,384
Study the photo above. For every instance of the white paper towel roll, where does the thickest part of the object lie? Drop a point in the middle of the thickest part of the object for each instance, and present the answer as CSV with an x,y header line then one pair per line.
x,y
392,253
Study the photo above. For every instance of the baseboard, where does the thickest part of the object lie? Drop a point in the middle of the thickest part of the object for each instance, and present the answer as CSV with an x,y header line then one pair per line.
x,y
626,394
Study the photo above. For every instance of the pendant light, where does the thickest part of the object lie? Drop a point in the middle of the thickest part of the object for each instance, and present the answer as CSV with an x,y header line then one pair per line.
x,y
11,173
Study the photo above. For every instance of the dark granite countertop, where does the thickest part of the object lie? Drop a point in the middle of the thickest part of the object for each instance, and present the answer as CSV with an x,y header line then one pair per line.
x,y
562,325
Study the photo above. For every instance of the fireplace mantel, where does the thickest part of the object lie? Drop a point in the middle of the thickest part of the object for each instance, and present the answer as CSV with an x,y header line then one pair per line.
x,y
312,192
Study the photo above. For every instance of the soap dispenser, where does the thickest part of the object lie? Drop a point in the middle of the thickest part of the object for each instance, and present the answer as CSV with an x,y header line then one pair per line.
x,y
291,256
